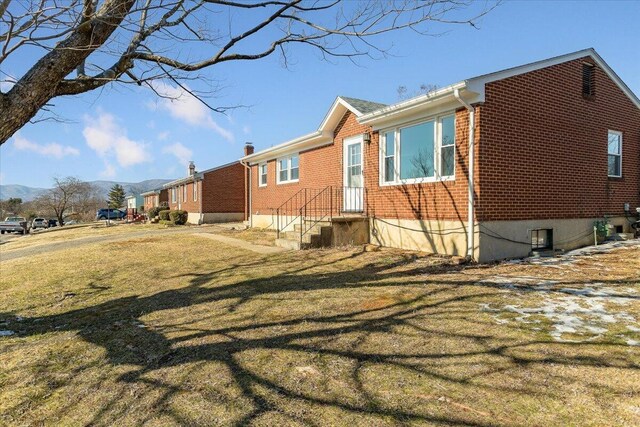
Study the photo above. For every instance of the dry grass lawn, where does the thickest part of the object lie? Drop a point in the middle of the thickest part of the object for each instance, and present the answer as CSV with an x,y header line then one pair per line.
x,y
180,330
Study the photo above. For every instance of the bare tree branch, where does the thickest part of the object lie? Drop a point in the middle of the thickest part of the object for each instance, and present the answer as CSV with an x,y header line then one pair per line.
x,y
139,41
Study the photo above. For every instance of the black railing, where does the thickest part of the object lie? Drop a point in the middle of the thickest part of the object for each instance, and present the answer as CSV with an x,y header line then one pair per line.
x,y
310,206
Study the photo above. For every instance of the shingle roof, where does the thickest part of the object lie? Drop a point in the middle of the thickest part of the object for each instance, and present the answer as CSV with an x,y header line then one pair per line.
x,y
363,106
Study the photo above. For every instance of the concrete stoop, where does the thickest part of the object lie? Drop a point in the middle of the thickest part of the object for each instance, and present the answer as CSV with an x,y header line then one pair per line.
x,y
324,234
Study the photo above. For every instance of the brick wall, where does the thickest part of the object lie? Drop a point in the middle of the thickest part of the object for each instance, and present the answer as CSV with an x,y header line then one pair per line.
x,y
543,147
322,166
150,201
220,191
223,190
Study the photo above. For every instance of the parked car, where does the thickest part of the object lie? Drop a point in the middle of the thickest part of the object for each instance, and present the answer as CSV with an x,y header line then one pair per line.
x,y
110,214
39,223
53,223
15,224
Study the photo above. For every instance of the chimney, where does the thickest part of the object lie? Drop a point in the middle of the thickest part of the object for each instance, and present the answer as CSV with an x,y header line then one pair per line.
x,y
192,168
248,148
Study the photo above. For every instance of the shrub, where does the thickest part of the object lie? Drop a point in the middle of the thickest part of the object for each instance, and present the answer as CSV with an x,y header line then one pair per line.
x,y
164,215
179,217
155,211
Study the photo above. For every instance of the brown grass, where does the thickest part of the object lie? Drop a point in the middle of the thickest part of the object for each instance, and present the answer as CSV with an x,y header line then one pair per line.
x,y
179,330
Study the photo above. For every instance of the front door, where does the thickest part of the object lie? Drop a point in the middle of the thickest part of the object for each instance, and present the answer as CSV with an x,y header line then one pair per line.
x,y
353,179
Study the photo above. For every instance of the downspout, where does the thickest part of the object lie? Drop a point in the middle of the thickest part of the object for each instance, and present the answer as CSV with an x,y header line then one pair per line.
x,y
247,186
471,197
199,194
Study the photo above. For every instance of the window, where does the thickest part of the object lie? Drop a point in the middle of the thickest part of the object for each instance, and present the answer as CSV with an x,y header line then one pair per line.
x,y
389,156
263,174
588,80
184,193
288,169
173,194
615,153
195,191
421,152
542,239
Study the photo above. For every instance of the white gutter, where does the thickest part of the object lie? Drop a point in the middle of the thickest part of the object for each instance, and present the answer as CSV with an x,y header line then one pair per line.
x,y
248,189
470,208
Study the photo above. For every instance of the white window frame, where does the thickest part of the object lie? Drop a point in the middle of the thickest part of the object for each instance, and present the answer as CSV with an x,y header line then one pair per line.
x,y
260,174
437,129
195,191
288,159
174,199
619,134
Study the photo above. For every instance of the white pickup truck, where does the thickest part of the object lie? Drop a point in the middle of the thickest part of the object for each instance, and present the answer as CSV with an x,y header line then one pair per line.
x,y
16,224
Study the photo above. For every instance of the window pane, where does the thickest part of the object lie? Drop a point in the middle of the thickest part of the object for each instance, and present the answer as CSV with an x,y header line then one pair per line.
x,y
614,143
354,176
614,165
388,169
294,161
283,175
447,160
389,145
294,173
416,151
448,131
263,179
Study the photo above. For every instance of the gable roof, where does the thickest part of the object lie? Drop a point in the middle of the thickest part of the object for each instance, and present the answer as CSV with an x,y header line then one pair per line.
x,y
361,105
323,135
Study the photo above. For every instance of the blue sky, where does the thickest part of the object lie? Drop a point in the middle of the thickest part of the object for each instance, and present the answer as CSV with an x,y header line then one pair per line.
x,y
126,134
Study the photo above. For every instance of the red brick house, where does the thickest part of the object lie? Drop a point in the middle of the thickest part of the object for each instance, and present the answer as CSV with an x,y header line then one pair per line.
x,y
155,198
554,145
214,195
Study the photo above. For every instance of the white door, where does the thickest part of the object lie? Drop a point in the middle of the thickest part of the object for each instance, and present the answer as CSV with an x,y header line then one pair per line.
x,y
353,179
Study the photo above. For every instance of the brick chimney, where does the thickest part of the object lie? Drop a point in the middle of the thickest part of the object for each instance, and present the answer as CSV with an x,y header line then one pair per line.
x,y
248,148
192,168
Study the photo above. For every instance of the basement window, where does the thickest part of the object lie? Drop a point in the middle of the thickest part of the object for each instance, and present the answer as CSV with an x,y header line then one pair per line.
x,y
542,239
588,80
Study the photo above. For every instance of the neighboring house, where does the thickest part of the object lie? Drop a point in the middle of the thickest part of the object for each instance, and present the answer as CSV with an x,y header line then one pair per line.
x,y
135,201
213,195
155,198
555,145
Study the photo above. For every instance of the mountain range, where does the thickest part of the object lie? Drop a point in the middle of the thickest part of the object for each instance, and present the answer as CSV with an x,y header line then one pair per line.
x,y
29,193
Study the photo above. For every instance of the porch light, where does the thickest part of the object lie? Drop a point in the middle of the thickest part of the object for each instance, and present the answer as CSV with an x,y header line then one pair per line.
x,y
366,137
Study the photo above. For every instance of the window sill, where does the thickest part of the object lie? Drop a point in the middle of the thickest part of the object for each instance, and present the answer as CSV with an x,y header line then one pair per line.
x,y
287,182
262,186
418,181
615,178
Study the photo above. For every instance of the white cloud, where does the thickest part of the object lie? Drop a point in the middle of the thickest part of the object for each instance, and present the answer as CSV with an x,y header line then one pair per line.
x,y
182,153
109,171
51,149
107,138
186,107
246,129
163,136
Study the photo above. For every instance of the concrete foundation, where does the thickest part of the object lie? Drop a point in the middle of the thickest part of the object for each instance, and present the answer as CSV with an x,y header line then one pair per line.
x,y
431,236
212,218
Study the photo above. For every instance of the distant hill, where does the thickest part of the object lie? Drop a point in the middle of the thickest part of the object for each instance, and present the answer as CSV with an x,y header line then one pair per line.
x,y
29,193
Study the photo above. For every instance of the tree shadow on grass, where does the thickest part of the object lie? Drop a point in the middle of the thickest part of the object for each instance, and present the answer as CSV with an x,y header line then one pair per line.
x,y
115,326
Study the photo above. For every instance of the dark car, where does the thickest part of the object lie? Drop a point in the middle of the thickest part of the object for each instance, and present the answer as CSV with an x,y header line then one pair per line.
x,y
53,223
110,214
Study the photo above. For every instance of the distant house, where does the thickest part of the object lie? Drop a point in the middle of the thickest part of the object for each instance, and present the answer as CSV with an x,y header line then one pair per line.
x,y
155,198
135,201
213,195
492,167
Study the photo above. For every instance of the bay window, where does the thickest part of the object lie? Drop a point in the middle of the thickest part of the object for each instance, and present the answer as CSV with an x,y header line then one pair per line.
x,y
420,152
288,169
